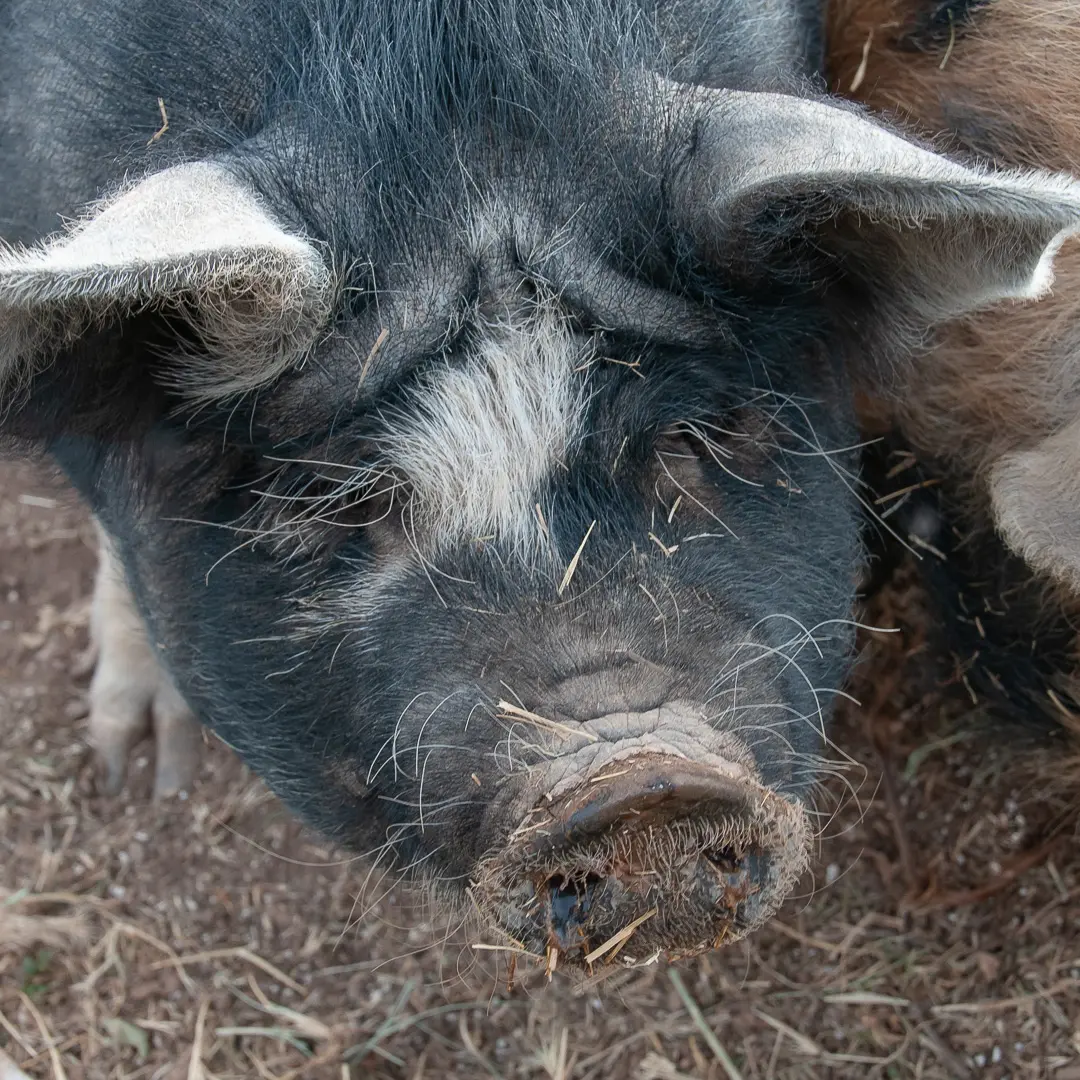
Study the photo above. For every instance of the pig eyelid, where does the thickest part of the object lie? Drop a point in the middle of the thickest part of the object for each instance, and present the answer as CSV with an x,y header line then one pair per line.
x,y
301,506
700,440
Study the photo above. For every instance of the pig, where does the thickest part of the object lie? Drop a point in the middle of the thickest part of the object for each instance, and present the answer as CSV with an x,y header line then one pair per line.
x,y
465,393
989,414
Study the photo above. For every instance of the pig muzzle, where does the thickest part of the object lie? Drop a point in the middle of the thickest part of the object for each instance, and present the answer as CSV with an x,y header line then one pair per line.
x,y
657,837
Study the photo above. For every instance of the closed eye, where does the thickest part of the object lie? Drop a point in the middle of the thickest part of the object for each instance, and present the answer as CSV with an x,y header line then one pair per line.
x,y
306,506
709,442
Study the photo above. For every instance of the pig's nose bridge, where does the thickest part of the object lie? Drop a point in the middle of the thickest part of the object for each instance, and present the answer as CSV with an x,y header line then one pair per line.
x,y
483,439
678,729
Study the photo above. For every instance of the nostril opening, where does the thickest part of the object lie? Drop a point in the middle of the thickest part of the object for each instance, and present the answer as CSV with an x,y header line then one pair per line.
x,y
738,875
725,860
570,901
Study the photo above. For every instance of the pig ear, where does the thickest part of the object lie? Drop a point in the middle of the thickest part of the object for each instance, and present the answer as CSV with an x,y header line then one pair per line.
x,y
919,238
1036,503
193,241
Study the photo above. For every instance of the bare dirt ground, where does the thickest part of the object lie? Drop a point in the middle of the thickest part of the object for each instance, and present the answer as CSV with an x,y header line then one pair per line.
x,y
212,937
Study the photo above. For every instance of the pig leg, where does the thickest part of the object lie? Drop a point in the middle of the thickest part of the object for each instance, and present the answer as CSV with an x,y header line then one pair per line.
x,y
130,694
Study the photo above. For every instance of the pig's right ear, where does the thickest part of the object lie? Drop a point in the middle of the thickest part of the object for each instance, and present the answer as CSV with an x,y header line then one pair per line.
x,y
911,239
193,243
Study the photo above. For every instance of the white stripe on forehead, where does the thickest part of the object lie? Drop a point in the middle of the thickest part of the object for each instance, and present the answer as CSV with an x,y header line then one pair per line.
x,y
483,436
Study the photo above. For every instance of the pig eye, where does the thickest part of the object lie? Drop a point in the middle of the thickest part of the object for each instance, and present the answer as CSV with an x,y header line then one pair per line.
x,y
313,507
700,453
702,440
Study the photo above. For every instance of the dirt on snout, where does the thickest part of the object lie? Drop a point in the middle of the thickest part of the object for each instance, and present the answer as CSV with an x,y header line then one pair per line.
x,y
936,936
668,852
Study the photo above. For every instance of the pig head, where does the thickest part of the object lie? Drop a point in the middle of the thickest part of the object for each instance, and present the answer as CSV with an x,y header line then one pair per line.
x,y
482,467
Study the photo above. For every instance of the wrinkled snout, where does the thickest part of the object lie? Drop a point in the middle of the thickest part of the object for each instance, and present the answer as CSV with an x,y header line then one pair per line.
x,y
645,850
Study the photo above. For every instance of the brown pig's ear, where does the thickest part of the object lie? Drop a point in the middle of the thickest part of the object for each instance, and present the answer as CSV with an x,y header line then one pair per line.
x,y
917,238
193,241
1036,503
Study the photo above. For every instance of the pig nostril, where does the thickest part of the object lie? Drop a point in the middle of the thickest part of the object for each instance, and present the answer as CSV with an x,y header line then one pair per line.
x,y
570,901
737,876
725,860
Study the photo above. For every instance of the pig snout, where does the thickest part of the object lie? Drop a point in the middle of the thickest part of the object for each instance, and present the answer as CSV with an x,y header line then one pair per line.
x,y
656,836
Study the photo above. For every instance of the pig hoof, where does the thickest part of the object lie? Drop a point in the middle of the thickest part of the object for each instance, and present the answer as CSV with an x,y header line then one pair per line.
x,y
665,857
128,702
131,695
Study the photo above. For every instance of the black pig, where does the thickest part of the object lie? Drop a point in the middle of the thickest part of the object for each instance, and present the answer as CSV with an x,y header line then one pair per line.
x,y
463,391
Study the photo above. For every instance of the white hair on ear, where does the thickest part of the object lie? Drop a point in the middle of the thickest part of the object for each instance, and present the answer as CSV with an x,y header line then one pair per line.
x,y
934,238
191,238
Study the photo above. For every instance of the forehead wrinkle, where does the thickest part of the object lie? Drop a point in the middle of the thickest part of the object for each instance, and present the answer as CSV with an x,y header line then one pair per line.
x,y
398,323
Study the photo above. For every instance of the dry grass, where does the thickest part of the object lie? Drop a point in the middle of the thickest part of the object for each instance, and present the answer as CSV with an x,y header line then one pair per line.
x,y
213,938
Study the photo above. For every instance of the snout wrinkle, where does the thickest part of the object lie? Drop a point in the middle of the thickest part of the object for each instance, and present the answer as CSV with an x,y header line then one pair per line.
x,y
676,729
626,683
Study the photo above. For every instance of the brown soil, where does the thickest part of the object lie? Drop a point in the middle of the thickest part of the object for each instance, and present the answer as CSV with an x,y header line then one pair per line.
x,y
213,937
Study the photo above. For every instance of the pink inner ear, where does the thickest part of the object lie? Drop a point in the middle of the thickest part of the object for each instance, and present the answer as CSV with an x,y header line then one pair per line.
x,y
1036,501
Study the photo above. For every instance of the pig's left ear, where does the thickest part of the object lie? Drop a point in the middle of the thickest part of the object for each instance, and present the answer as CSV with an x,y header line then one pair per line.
x,y
914,238
191,242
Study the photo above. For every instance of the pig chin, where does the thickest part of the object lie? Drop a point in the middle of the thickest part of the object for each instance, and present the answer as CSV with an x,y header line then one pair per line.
x,y
653,835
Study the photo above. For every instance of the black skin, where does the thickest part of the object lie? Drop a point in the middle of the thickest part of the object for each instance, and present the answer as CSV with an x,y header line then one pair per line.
x,y
300,711
314,715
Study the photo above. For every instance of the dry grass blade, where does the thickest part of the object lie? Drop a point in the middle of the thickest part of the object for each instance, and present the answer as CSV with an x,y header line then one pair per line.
x,y
379,342
700,1023
668,551
278,1034
240,952
619,938
195,1069
50,1043
512,712
514,950
860,71
864,997
803,1042
15,1035
552,961
307,1026
973,1008
164,122
474,1051
567,577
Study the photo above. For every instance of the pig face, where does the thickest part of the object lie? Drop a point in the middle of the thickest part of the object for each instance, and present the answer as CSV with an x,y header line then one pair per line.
x,y
495,497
